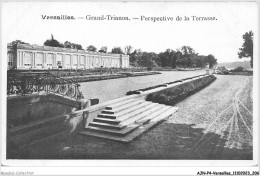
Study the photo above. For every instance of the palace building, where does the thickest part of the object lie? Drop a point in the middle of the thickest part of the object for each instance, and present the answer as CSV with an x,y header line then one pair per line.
x,y
25,56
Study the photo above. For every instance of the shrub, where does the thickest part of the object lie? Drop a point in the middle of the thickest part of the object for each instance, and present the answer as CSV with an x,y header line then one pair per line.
x,y
238,69
177,93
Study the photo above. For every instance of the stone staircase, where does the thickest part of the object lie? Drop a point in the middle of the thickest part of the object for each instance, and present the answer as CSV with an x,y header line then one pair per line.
x,y
127,119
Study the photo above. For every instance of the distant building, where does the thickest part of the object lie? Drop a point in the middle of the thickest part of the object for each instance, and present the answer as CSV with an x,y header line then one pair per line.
x,y
26,56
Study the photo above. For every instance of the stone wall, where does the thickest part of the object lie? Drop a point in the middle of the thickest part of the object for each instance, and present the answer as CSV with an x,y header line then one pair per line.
x,y
32,118
30,108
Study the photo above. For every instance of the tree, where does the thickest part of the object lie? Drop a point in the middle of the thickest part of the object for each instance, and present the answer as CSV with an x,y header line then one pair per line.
x,y
134,57
146,59
117,50
68,44
103,49
167,58
185,56
52,42
128,49
247,47
211,60
91,48
14,43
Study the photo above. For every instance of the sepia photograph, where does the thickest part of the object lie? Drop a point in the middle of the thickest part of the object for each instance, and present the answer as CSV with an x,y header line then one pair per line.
x,y
167,83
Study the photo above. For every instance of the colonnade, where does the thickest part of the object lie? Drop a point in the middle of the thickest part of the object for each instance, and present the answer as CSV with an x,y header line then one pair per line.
x,y
27,57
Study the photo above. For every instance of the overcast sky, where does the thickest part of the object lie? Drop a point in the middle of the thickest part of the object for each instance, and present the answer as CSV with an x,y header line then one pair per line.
x,y
221,37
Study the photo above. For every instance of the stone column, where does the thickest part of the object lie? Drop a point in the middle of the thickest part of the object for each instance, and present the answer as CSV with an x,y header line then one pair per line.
x,y
84,61
110,62
44,60
22,58
123,62
96,62
33,60
107,64
120,61
18,59
54,60
102,62
71,60
63,60
78,59
87,61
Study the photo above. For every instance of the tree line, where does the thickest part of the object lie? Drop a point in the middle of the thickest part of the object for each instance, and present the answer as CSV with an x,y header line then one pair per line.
x,y
185,57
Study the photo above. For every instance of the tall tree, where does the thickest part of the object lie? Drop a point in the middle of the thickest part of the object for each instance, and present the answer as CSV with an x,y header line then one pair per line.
x,y
117,50
128,49
134,57
52,42
247,47
168,58
211,60
91,48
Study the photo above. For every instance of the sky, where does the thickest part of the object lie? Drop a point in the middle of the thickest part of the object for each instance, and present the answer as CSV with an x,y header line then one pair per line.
x,y
221,37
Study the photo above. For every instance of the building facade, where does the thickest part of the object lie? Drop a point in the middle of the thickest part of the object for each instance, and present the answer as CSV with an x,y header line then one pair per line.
x,y
24,56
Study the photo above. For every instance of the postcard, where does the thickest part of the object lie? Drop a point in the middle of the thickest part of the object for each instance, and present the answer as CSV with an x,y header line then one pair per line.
x,y
120,87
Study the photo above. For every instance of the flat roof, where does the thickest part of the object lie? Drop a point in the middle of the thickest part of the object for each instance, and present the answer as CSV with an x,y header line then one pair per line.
x,y
59,49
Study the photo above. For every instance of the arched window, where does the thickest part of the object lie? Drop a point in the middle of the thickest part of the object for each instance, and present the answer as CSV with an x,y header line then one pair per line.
x,y
38,59
27,59
10,60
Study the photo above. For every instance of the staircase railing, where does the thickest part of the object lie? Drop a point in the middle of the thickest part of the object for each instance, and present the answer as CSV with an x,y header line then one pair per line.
x,y
31,82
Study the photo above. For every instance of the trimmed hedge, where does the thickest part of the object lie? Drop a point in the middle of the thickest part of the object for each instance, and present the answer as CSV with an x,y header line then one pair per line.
x,y
161,85
177,93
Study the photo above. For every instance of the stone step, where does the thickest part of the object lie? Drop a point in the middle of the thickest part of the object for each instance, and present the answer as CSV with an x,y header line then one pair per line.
x,y
134,133
157,114
119,126
164,115
146,113
106,125
106,120
121,108
136,112
104,136
113,106
121,113
122,132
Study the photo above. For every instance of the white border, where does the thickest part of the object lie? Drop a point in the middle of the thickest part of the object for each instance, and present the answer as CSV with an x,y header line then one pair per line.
x,y
132,167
